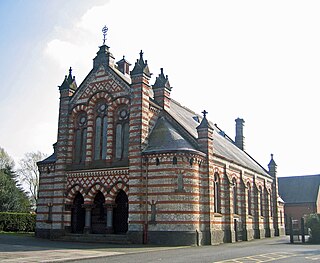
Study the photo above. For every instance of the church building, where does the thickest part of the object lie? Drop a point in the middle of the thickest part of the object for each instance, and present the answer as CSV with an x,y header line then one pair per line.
x,y
131,161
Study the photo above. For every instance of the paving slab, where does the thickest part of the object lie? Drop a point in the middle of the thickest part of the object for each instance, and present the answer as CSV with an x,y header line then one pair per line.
x,y
21,248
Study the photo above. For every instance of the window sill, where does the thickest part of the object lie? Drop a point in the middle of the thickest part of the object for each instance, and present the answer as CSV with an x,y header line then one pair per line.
x,y
217,214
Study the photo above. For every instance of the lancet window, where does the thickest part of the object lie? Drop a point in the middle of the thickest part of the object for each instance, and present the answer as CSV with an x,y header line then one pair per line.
x,y
249,199
101,126
217,199
80,138
235,198
122,134
261,201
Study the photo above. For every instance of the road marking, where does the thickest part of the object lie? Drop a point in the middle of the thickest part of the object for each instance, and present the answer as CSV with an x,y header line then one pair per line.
x,y
259,258
315,257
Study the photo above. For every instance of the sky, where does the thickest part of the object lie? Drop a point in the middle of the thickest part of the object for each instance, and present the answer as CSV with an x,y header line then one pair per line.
x,y
257,60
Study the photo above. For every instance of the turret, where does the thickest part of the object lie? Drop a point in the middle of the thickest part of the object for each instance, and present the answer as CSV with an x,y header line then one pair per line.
x,y
161,90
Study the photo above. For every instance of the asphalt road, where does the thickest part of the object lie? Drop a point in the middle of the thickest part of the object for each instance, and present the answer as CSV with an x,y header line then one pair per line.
x,y
30,249
267,250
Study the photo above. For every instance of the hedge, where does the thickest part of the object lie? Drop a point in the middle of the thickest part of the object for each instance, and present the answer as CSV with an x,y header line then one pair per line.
x,y
313,222
17,222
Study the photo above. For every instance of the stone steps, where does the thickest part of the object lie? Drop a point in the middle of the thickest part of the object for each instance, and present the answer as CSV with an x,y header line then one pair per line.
x,y
96,238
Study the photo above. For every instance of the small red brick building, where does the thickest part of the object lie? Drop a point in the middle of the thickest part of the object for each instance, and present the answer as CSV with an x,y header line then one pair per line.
x,y
131,160
301,196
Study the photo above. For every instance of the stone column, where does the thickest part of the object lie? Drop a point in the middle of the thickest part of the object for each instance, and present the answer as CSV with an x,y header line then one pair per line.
x,y
109,226
87,225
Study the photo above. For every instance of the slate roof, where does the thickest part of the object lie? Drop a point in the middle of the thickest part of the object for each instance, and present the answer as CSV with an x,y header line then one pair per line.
x,y
165,138
51,159
299,189
223,145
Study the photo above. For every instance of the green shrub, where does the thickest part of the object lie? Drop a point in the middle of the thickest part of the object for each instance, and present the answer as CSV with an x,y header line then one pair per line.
x,y
313,222
17,222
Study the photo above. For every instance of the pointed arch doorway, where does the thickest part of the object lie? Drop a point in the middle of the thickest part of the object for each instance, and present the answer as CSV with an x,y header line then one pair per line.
x,y
78,214
120,213
98,222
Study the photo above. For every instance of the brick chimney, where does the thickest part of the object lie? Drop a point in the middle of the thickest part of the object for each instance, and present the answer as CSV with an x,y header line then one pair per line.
x,y
239,140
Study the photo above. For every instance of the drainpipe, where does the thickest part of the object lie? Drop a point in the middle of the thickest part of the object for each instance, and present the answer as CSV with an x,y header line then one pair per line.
x,y
145,226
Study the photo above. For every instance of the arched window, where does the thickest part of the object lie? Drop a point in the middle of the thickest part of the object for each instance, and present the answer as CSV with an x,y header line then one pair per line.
x,y
174,160
235,198
261,201
249,199
157,161
216,189
80,138
271,204
100,138
180,183
122,134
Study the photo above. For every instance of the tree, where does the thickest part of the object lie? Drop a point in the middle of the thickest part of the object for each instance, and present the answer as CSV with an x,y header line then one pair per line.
x,y
29,173
313,222
12,196
6,162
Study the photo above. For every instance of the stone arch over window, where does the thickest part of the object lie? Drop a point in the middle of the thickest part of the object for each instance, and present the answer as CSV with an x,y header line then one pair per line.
x,y
93,191
116,188
217,193
73,191
100,130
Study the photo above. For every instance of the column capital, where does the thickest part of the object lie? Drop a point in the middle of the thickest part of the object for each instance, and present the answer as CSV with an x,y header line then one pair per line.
x,y
109,205
87,206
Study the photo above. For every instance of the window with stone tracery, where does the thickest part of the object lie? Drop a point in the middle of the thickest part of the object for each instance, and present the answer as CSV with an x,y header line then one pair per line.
x,y
101,126
121,133
80,138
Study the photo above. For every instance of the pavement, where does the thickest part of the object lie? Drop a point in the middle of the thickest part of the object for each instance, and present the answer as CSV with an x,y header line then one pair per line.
x,y
27,248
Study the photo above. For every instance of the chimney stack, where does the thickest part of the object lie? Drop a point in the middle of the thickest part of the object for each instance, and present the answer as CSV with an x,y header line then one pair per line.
x,y
239,140
123,66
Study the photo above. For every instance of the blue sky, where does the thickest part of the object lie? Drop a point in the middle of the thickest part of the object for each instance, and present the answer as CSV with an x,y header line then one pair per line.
x,y
258,60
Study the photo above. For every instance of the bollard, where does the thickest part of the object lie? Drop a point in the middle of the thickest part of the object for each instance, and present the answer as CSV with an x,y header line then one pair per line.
x,y
291,230
302,230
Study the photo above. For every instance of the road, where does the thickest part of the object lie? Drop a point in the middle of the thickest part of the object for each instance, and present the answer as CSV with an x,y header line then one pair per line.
x,y
266,250
31,249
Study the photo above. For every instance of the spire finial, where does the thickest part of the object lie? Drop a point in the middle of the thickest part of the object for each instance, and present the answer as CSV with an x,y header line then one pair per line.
x,y
104,31
141,55
204,113
70,71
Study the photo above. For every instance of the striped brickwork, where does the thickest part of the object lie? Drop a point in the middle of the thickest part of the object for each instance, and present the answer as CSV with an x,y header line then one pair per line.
x,y
138,133
171,194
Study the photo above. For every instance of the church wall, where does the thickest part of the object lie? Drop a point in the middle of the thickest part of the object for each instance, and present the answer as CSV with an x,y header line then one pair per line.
x,y
172,196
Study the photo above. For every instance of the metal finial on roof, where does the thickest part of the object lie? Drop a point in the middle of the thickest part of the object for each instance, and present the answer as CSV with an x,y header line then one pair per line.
x,y
104,31
204,113
70,71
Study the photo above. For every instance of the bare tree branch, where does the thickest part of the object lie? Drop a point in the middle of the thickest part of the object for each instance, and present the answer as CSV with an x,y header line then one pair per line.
x,y
29,173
